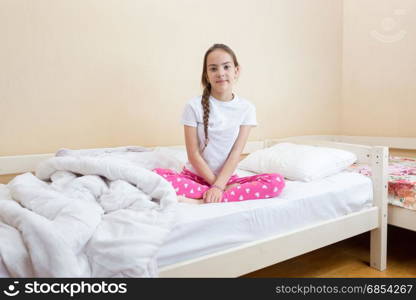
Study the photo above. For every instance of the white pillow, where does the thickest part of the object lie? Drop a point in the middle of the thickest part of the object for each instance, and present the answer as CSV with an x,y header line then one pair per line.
x,y
298,162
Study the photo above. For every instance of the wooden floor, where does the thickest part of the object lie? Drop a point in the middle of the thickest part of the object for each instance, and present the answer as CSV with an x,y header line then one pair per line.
x,y
350,258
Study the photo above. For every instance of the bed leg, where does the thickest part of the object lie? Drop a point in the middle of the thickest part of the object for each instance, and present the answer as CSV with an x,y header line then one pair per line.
x,y
378,243
378,252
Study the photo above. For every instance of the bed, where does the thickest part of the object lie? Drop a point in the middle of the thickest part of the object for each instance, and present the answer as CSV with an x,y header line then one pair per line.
x,y
401,173
262,252
210,241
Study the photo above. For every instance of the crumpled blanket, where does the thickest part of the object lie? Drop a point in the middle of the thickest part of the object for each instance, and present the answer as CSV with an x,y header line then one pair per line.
x,y
99,214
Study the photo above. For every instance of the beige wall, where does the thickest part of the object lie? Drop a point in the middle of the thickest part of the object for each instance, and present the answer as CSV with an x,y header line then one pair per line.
x,y
379,68
98,73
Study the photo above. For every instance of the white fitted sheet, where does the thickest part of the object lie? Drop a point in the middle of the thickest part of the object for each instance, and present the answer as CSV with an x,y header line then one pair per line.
x,y
208,228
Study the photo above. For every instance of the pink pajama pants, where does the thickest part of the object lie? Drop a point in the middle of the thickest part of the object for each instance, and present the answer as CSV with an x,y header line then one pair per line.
x,y
193,186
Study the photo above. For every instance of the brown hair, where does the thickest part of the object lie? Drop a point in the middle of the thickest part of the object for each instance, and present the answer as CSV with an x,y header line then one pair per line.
x,y
207,86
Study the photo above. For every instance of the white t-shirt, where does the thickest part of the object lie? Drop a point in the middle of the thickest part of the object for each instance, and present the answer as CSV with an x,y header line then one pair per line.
x,y
225,118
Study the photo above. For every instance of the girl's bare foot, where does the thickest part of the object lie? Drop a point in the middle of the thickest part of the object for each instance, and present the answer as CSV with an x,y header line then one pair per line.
x,y
190,200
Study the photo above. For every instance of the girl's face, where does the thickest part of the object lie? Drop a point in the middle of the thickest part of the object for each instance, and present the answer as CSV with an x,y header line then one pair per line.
x,y
221,71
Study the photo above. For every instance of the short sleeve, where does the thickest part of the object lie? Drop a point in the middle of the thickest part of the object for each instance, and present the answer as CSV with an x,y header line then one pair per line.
x,y
189,116
250,117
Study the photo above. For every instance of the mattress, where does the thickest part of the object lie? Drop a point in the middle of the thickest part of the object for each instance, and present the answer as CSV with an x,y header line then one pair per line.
x,y
208,228
401,178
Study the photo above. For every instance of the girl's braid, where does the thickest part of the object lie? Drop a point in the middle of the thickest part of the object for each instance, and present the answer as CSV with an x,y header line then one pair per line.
x,y
205,105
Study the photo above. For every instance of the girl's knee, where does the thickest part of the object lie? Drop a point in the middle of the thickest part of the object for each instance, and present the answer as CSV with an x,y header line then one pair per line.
x,y
276,191
278,186
274,186
277,180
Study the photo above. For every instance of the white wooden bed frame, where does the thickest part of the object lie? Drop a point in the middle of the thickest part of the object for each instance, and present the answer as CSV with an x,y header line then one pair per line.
x,y
397,216
255,255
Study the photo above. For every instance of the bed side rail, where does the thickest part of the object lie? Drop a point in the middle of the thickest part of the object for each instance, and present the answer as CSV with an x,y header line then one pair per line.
x,y
377,158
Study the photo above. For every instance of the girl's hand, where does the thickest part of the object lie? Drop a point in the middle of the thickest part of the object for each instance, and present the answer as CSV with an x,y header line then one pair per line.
x,y
213,195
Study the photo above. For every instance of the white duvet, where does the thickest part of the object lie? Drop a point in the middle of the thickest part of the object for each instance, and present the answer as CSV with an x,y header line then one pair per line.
x,y
97,215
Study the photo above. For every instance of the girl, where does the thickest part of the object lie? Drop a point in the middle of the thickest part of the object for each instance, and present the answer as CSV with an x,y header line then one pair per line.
x,y
217,125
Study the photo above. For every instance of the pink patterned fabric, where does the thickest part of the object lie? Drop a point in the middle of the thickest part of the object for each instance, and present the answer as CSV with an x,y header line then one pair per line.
x,y
401,177
254,187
